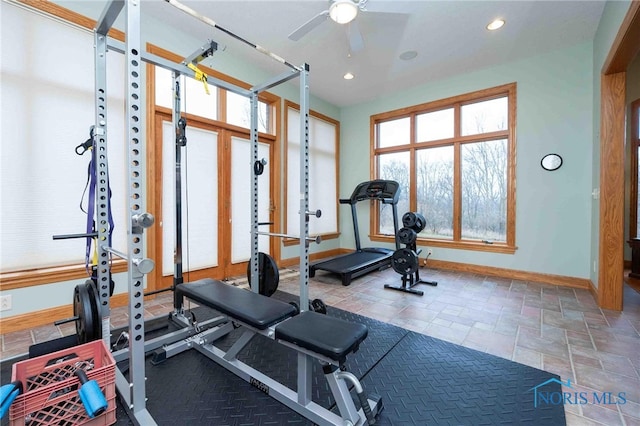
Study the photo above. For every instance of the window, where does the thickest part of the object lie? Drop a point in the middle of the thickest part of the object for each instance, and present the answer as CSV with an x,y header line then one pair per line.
x,y
239,112
195,100
454,160
323,172
42,177
214,167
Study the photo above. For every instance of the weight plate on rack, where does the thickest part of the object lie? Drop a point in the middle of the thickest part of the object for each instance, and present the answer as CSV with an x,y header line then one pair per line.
x,y
86,309
404,261
268,274
414,220
407,236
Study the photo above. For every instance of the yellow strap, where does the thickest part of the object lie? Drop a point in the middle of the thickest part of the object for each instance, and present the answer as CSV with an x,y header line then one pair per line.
x,y
200,76
95,252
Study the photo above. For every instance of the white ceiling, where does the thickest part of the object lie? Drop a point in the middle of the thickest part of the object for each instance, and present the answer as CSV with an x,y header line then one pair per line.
x,y
449,37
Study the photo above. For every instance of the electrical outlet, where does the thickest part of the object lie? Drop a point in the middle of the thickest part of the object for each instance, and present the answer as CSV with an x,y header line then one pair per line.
x,y
5,302
429,252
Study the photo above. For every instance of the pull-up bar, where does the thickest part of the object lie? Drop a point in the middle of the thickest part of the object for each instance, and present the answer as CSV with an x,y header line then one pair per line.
x,y
211,22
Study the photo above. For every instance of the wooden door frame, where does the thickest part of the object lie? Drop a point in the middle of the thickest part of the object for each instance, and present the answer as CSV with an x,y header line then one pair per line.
x,y
612,143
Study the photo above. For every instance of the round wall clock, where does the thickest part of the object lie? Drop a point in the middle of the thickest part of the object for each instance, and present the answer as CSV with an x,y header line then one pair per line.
x,y
551,162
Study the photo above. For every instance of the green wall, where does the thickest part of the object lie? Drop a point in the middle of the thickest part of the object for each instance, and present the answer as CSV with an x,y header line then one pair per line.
x,y
554,114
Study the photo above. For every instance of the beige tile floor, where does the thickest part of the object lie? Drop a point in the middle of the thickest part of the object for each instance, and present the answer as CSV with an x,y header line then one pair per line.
x,y
557,329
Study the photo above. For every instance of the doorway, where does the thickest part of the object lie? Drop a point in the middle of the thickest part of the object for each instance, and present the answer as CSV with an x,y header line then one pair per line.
x,y
610,280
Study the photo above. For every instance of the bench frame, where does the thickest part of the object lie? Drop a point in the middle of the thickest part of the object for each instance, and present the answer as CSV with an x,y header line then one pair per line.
x,y
300,400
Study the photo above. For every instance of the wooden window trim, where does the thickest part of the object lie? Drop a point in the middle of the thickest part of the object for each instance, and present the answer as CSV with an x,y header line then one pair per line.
x,y
455,102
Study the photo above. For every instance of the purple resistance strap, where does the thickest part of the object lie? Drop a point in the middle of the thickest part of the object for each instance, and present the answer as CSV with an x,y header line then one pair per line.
x,y
91,224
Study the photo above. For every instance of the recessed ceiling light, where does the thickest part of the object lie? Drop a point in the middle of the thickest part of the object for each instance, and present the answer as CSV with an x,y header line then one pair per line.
x,y
408,55
498,23
348,76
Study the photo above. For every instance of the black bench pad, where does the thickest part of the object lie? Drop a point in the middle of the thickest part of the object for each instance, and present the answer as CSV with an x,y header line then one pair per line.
x,y
253,309
328,336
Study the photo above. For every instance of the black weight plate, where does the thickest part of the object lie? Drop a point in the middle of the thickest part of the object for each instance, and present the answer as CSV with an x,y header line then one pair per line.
x,y
414,220
404,261
407,236
268,274
420,223
82,310
96,332
317,305
409,219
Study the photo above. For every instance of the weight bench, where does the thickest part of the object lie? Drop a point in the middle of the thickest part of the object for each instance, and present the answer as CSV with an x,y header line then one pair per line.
x,y
313,336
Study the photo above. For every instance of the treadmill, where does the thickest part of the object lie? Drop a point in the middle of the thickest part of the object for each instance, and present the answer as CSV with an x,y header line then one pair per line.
x,y
364,260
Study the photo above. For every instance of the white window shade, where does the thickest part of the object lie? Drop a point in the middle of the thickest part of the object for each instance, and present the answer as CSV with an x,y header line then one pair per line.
x,y
47,86
199,199
322,174
241,204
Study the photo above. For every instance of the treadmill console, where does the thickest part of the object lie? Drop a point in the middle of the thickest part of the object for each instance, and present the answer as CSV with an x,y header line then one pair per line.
x,y
387,191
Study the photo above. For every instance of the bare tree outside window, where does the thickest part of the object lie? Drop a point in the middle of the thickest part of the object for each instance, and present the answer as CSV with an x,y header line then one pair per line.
x,y
484,190
394,167
434,173
239,112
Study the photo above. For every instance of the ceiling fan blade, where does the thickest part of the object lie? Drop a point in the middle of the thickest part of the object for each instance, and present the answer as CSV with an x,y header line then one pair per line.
x,y
356,42
309,25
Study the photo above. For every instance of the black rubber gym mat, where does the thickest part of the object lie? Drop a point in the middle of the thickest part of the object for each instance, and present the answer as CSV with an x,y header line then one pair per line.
x,y
422,380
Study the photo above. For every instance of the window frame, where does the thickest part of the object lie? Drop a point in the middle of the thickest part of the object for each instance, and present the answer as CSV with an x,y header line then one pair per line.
x,y
510,91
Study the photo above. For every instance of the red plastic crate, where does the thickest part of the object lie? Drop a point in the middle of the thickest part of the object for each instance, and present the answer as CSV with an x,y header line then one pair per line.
x,y
50,389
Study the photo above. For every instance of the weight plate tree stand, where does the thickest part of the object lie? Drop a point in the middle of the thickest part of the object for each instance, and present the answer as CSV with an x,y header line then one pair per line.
x,y
405,261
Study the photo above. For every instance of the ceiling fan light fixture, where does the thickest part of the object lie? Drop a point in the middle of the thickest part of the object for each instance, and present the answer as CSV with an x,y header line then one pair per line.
x,y
343,11
495,24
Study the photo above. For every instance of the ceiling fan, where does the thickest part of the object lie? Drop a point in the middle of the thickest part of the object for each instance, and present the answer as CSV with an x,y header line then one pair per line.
x,y
342,12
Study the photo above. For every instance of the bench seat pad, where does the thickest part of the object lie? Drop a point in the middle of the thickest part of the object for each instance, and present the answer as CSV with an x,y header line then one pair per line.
x,y
253,309
328,336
